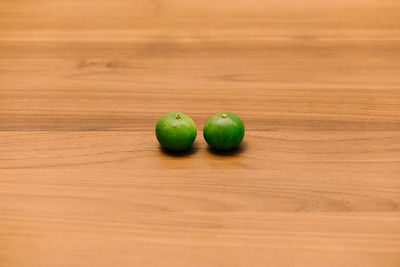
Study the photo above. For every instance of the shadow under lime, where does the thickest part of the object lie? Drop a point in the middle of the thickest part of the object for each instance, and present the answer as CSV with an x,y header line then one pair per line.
x,y
229,153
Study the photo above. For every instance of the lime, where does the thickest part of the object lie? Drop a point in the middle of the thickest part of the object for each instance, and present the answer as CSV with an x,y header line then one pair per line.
x,y
176,131
224,131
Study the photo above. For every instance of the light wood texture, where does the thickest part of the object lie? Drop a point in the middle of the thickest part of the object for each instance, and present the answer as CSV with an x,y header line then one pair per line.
x,y
83,181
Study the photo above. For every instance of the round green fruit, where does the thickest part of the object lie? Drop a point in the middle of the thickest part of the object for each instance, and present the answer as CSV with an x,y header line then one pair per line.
x,y
224,131
176,131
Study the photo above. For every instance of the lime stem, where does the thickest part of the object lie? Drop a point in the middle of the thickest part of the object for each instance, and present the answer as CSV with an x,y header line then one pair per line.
x,y
224,115
177,116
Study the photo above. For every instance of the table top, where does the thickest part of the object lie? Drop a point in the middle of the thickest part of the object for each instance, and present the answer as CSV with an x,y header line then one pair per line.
x,y
83,181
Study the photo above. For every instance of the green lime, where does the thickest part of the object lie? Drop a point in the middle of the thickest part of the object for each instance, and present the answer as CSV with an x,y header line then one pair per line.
x,y
224,131
176,131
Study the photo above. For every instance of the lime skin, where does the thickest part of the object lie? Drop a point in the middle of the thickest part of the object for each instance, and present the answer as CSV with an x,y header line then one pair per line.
x,y
176,131
224,131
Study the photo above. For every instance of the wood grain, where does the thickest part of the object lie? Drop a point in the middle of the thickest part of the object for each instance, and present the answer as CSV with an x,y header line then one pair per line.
x,y
83,181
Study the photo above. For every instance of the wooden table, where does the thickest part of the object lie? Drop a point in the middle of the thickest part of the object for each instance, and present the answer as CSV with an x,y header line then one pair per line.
x,y
83,181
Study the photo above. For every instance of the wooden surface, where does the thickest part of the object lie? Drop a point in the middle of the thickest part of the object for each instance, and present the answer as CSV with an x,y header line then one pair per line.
x,y
83,181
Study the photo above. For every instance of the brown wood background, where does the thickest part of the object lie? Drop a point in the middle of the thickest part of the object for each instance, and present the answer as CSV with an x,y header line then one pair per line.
x,y
84,183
